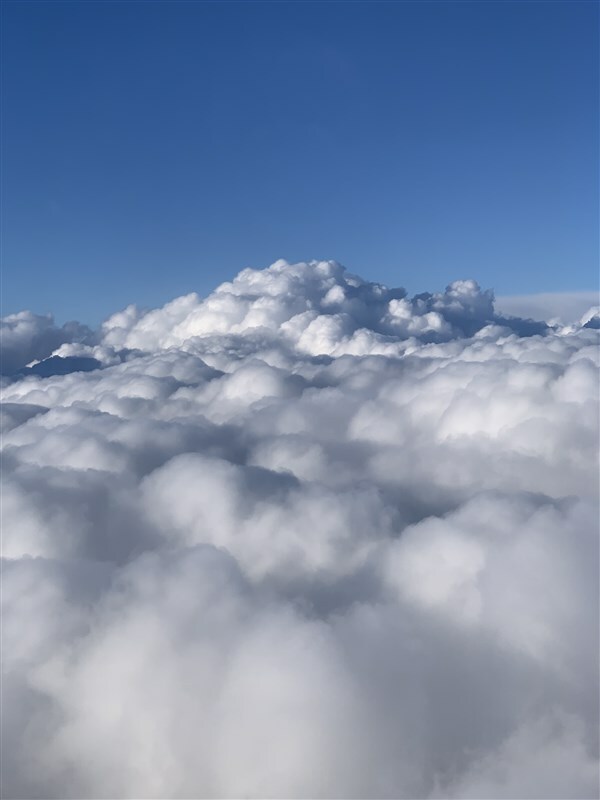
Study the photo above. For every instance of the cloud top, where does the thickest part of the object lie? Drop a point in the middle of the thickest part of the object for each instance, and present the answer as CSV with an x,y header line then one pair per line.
x,y
305,537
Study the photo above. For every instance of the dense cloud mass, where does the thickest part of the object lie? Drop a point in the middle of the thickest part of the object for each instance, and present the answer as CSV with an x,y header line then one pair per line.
x,y
27,337
305,537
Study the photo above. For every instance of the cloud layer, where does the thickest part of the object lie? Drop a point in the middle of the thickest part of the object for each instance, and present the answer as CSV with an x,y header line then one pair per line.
x,y
564,307
305,537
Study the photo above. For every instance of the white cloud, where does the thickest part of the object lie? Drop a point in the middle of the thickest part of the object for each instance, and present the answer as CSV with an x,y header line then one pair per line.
x,y
566,307
305,537
26,337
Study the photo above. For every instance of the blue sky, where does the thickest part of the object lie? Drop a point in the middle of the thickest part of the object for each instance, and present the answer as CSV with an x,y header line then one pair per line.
x,y
151,149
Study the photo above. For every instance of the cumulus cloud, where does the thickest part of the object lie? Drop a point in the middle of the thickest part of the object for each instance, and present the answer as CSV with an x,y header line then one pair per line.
x,y
304,537
27,337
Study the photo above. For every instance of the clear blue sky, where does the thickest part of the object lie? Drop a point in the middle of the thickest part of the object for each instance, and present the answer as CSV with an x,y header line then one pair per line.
x,y
155,148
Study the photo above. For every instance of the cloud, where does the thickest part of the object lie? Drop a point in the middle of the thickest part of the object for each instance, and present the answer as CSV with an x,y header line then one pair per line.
x,y
566,307
27,337
305,537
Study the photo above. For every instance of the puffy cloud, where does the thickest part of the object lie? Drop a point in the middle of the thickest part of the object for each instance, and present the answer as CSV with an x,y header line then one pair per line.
x,y
26,337
305,537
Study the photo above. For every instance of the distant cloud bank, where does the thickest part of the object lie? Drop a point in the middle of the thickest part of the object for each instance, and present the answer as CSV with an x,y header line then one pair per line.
x,y
563,307
305,537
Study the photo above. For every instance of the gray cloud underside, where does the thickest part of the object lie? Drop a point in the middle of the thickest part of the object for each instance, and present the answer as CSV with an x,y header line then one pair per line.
x,y
303,538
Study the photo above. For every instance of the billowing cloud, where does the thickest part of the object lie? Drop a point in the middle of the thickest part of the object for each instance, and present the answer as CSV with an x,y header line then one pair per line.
x,y
26,337
304,537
